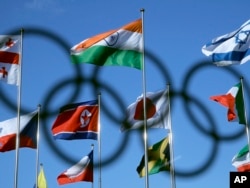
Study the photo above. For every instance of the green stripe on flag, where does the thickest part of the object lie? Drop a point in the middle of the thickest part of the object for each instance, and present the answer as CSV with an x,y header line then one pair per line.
x,y
104,56
240,105
243,152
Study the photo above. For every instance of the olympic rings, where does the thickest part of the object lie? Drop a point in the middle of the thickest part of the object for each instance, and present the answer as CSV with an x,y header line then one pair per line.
x,y
78,80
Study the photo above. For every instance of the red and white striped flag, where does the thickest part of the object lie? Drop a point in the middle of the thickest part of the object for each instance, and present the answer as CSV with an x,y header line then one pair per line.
x,y
10,48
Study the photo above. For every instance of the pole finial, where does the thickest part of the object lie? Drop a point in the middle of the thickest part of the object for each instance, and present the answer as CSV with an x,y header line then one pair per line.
x,y
142,9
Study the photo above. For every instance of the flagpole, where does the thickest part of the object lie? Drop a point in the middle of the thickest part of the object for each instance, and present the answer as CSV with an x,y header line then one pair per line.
x,y
144,104
92,147
37,144
18,110
99,137
245,115
172,170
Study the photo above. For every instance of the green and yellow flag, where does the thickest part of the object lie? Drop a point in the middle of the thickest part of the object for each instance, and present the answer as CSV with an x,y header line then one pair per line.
x,y
158,158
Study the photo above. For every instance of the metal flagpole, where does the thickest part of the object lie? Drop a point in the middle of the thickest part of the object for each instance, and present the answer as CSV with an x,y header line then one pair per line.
x,y
172,171
245,115
18,110
92,148
37,144
144,104
99,137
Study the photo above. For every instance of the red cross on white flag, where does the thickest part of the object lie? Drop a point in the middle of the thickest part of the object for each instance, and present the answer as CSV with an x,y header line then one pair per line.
x,y
9,58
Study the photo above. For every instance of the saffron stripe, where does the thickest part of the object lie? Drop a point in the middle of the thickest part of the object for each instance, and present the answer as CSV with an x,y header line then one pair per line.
x,y
135,26
91,41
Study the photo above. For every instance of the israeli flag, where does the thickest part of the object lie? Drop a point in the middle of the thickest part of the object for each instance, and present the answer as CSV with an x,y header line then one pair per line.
x,y
231,48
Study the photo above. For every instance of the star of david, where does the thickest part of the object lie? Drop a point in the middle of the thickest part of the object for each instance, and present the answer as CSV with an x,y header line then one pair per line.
x,y
242,37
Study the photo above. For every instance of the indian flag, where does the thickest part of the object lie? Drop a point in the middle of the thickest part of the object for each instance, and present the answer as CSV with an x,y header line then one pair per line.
x,y
9,58
241,161
122,47
233,100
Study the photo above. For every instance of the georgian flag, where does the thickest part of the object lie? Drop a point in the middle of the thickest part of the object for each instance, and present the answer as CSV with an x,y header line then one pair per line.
x,y
9,58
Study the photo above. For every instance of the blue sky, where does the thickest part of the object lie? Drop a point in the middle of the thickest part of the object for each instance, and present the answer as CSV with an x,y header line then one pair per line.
x,y
175,32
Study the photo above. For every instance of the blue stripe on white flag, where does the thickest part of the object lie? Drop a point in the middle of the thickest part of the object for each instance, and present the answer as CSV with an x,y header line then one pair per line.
x,y
230,56
231,48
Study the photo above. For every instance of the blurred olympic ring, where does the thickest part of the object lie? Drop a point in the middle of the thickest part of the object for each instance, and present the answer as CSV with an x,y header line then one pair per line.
x,y
213,134
47,35
211,156
79,79
60,153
